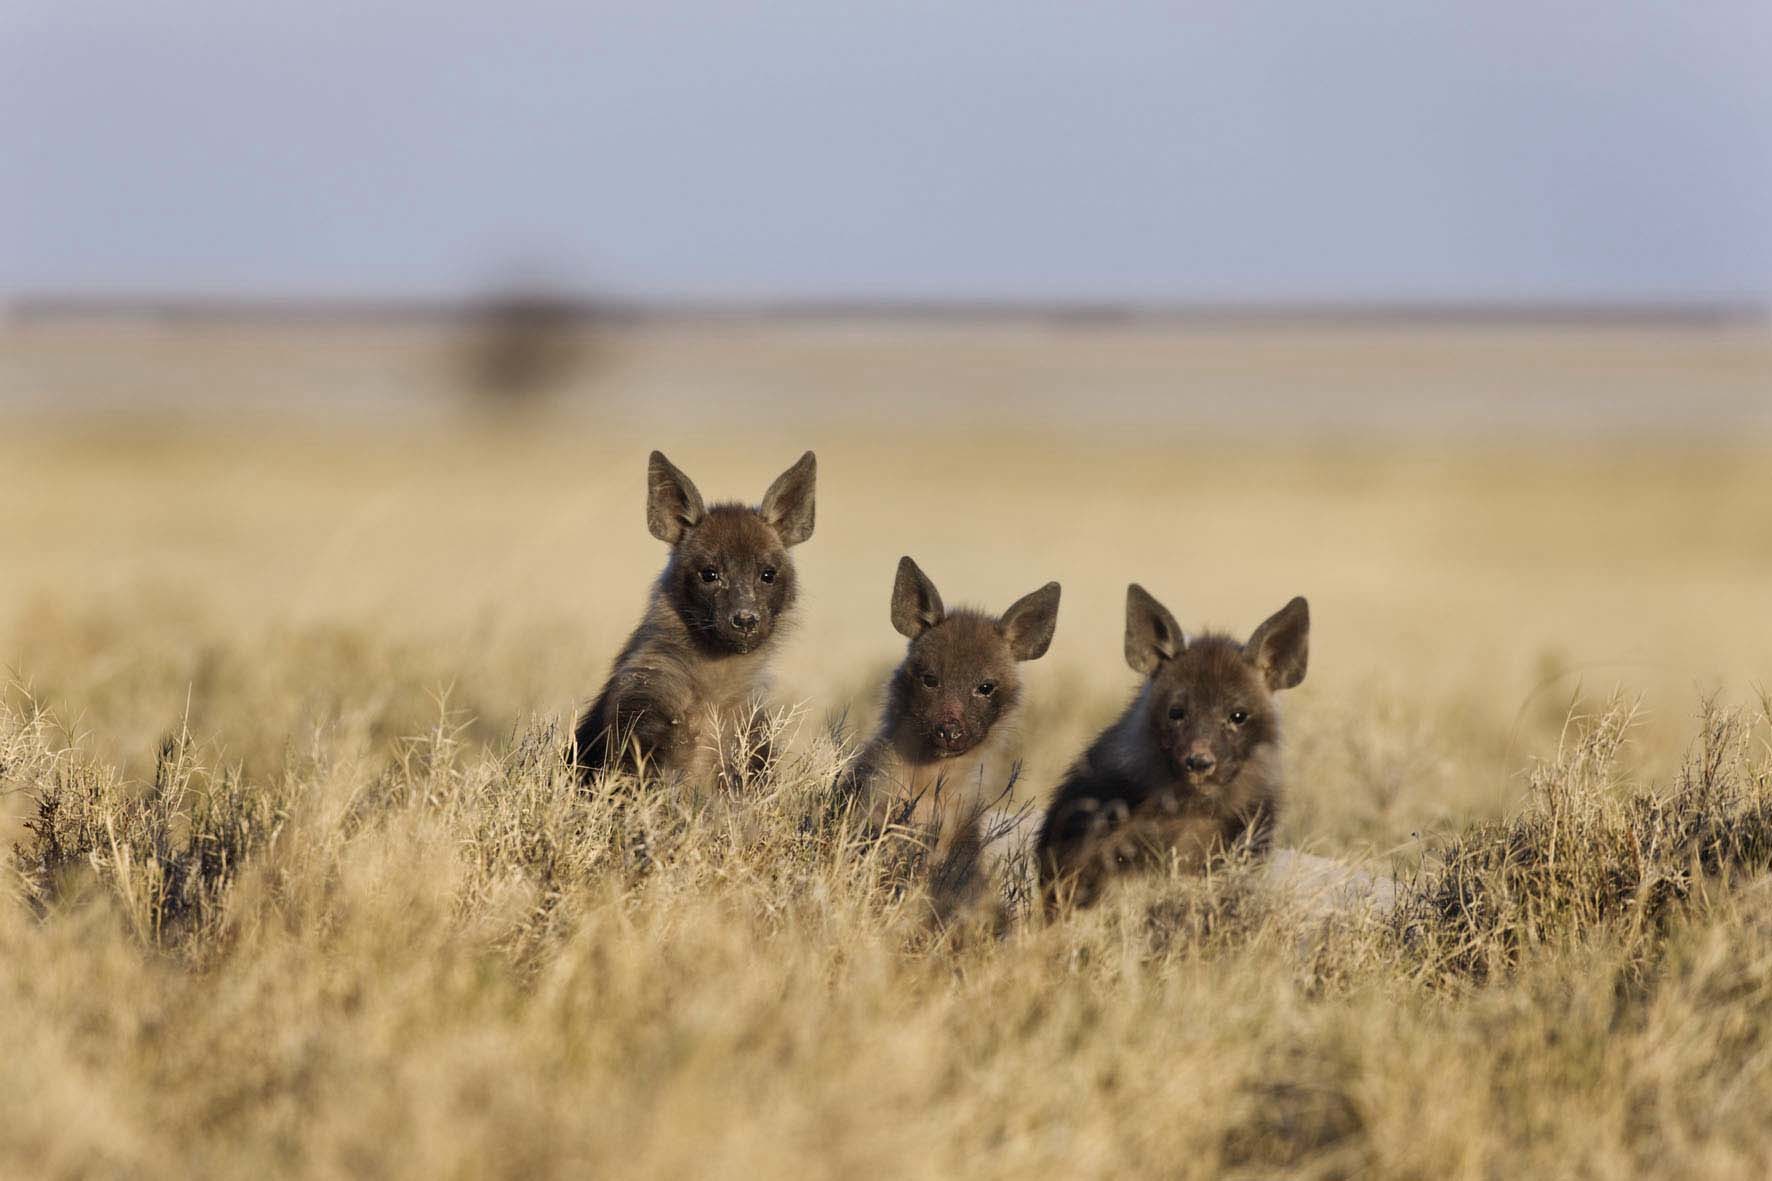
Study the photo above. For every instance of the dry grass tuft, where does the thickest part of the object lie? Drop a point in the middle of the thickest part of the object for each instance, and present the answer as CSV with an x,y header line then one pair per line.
x,y
450,958
1589,854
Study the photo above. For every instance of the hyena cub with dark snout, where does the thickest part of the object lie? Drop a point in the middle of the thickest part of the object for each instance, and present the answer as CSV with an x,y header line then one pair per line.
x,y
941,757
683,700
1191,769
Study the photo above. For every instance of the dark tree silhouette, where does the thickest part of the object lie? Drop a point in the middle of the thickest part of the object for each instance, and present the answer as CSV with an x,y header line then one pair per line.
x,y
524,346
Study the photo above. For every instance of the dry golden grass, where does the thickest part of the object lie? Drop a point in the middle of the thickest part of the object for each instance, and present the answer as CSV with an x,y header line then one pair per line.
x,y
297,886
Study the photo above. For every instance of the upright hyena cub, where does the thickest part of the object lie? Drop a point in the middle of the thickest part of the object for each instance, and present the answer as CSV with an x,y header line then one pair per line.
x,y
684,694
940,757
1192,768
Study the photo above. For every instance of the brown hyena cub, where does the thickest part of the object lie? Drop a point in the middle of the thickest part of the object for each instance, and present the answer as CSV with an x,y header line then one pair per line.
x,y
941,758
683,700
1191,769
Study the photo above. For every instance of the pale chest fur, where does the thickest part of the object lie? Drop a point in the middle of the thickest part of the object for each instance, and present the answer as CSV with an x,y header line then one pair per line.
x,y
965,784
724,683
730,685
730,692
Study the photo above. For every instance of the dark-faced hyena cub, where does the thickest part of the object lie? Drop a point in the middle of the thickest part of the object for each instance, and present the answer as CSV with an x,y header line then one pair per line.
x,y
941,757
683,700
1191,769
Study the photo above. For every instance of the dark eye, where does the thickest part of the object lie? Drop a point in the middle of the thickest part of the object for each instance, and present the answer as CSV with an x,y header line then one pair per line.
x,y
1239,716
768,574
1177,712
710,574
930,680
986,688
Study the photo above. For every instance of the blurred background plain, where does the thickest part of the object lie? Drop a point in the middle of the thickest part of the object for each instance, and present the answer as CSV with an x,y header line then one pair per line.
x,y
335,337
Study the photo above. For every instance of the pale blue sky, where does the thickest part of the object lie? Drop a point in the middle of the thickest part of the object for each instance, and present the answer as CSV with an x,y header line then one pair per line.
x,y
1232,150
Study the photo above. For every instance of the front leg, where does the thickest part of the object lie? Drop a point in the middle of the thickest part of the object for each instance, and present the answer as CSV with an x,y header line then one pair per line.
x,y
1085,841
957,879
637,726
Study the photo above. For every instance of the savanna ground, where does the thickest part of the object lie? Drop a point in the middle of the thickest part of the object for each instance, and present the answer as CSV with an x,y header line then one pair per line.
x,y
296,884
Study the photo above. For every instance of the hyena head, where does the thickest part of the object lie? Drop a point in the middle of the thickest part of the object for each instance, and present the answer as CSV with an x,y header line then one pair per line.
x,y
730,577
959,676
1211,701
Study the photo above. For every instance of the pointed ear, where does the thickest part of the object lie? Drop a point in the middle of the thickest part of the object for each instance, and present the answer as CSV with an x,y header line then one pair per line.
x,y
916,605
788,505
1281,647
1029,623
1152,635
673,506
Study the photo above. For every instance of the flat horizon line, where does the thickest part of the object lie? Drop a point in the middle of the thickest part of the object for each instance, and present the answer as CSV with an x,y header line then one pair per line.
x,y
567,308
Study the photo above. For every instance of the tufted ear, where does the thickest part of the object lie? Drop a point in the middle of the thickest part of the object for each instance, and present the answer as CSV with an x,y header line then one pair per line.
x,y
789,503
673,506
1029,623
916,604
1152,635
1281,647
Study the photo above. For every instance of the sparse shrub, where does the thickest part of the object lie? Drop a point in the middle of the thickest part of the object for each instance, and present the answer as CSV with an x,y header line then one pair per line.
x,y
1589,851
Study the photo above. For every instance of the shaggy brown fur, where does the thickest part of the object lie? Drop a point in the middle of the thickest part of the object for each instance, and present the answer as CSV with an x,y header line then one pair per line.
x,y
683,700
1191,770
941,756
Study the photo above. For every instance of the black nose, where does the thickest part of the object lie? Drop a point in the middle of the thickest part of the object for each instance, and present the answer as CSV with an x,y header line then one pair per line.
x,y
948,733
744,621
1198,763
